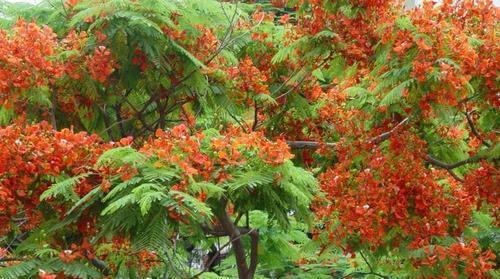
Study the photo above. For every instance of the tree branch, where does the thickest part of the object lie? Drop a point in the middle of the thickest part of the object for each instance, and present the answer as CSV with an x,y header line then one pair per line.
x,y
119,119
473,128
100,265
315,145
256,117
254,253
220,231
385,136
308,144
211,261
452,166
372,272
106,122
304,78
455,176
53,109
234,235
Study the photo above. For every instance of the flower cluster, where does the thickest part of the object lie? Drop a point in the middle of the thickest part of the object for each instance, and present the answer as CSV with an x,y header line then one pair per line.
x,y
177,146
31,155
394,198
483,184
27,58
249,80
210,159
101,64
443,39
460,256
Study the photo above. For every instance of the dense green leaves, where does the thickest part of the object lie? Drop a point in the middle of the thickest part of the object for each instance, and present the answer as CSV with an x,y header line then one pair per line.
x,y
266,139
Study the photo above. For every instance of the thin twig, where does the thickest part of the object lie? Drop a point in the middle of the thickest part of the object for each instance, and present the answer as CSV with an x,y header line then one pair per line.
x,y
372,272
384,136
114,124
212,260
366,261
304,78
473,128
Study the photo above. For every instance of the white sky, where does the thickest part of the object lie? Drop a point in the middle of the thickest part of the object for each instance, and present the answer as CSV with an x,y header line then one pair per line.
x,y
25,1
496,2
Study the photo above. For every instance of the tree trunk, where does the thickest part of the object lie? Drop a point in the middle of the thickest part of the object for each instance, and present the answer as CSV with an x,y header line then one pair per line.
x,y
235,238
53,109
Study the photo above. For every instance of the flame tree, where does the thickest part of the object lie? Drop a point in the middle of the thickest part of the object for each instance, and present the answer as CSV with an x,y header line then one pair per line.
x,y
249,139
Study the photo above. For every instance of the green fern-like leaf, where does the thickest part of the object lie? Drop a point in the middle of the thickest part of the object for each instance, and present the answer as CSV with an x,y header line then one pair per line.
x,y
146,194
405,23
147,200
395,94
210,189
19,270
161,175
187,54
286,52
80,270
64,189
249,179
154,235
121,187
263,98
86,201
120,156
191,205
120,203
303,198
356,91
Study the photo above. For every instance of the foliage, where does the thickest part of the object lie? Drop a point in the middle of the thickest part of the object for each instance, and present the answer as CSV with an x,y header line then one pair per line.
x,y
250,139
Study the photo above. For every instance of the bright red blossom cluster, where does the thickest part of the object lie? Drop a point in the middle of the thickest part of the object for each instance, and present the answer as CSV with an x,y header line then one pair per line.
x,y
444,31
248,80
30,154
231,150
393,194
27,58
101,64
483,183
457,257
177,146
74,42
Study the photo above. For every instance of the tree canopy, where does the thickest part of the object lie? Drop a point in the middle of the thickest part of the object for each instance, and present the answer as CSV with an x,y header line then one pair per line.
x,y
249,139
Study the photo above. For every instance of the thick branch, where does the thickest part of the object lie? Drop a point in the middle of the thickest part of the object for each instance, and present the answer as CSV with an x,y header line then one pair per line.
x,y
315,145
212,260
308,144
384,136
220,231
100,265
455,176
53,108
254,253
234,235
447,166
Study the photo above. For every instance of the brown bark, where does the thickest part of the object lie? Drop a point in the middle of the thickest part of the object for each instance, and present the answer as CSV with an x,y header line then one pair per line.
x,y
234,235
